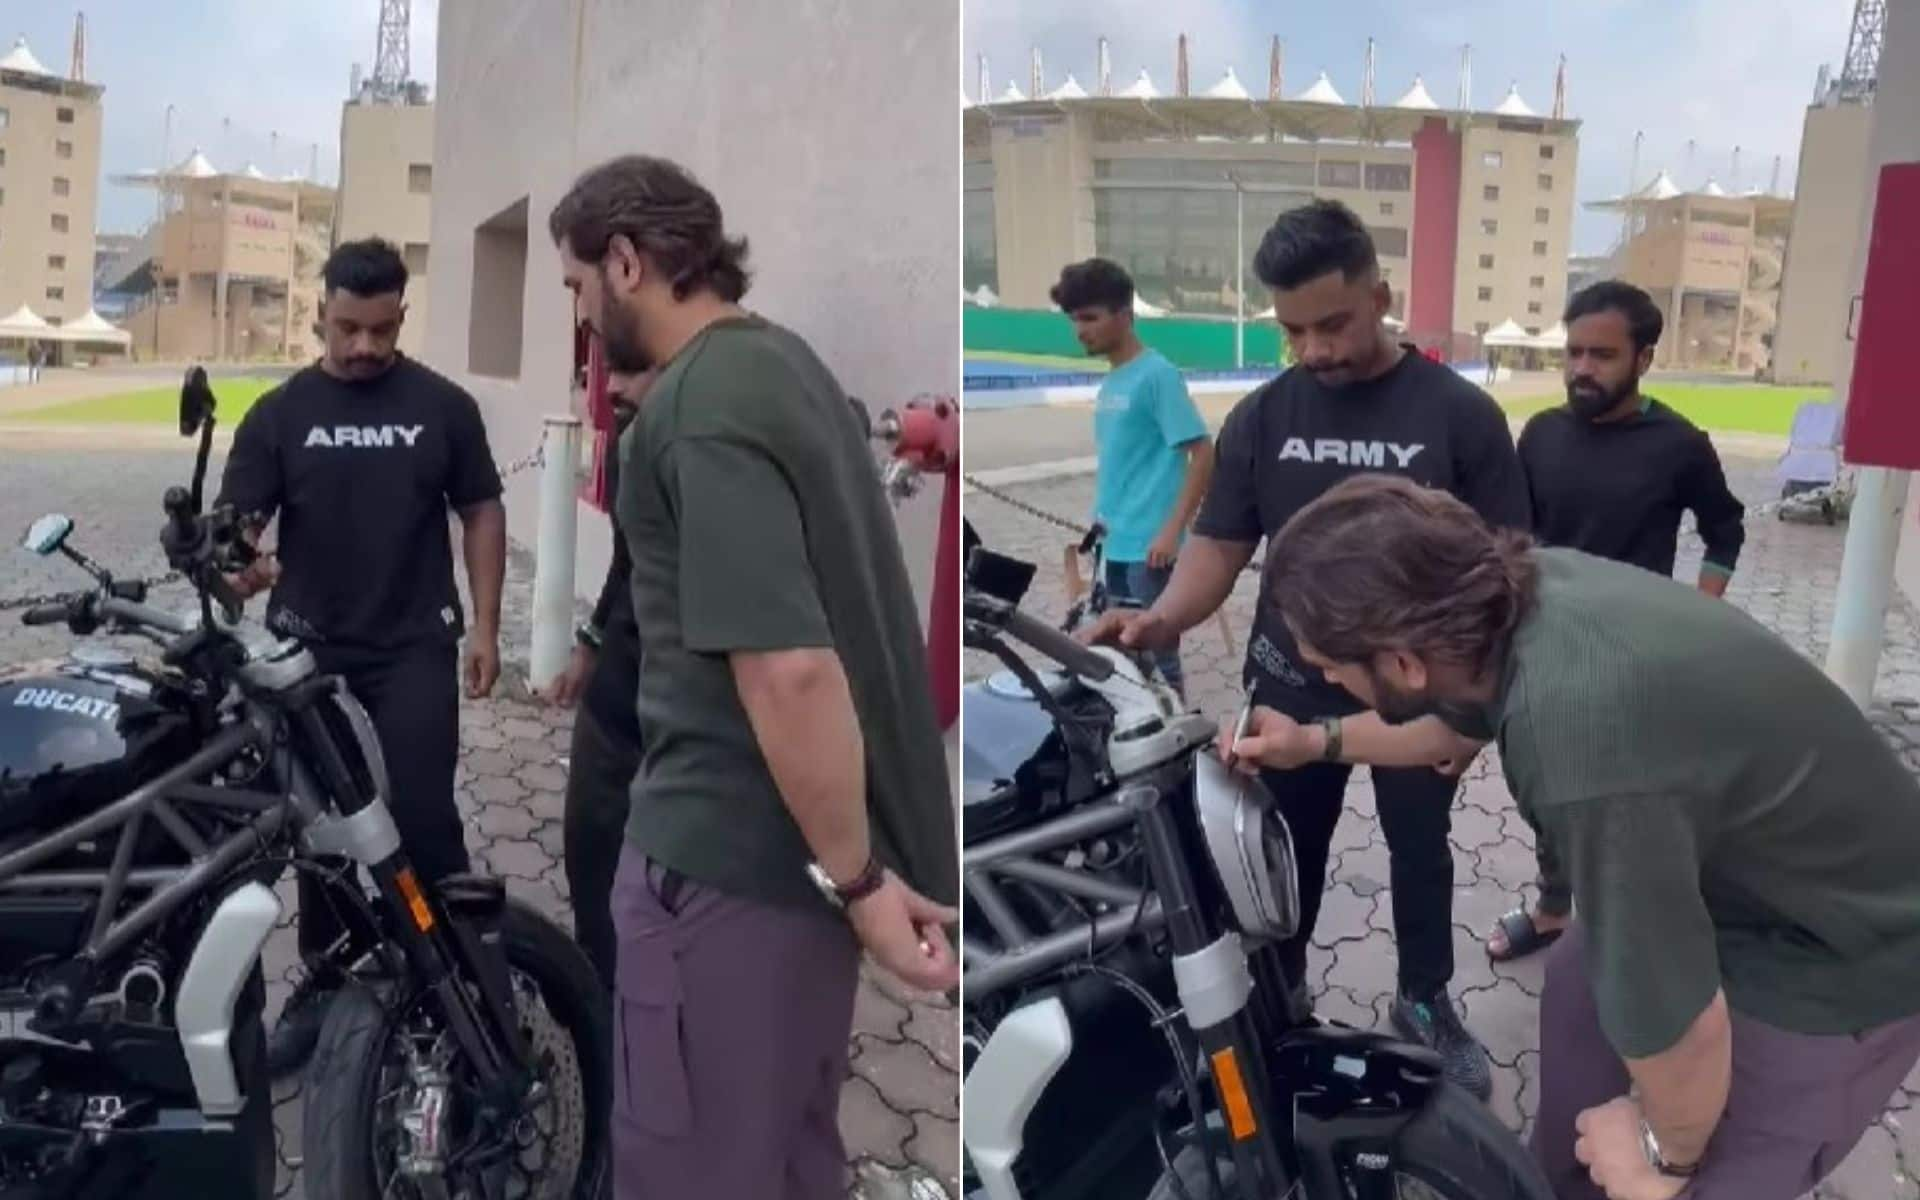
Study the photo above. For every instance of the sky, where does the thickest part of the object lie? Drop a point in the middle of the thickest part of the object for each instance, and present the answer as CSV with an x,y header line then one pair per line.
x,y
236,72
1723,73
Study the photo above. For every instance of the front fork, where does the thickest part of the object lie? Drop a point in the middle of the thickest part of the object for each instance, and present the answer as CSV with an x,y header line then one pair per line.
x,y
442,949
1214,982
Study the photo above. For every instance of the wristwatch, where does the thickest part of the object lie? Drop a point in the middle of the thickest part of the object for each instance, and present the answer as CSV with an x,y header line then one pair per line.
x,y
587,636
1331,727
1650,1146
865,884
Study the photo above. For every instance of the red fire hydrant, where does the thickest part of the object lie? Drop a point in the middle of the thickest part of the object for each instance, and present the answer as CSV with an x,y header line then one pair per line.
x,y
926,440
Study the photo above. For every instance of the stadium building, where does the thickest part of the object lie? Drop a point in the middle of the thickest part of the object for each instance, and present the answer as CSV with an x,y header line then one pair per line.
x,y
1471,210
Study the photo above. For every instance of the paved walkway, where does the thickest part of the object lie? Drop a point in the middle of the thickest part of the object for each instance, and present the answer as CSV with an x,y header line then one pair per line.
x,y
1787,579
899,1112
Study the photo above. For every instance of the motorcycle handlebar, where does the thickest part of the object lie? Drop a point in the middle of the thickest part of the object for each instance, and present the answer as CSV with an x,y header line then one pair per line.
x,y
1083,661
47,614
151,618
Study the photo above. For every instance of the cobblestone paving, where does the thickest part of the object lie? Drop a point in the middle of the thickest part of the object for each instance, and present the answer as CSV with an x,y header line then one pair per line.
x,y
1787,577
899,1111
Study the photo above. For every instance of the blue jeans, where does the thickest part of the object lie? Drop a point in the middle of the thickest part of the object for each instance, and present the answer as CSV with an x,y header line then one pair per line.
x,y
1136,584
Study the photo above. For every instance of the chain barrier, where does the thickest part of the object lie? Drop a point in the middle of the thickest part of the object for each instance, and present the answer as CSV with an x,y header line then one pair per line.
x,y
535,458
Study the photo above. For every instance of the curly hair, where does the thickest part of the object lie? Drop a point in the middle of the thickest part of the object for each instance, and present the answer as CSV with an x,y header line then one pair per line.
x,y
1380,563
668,216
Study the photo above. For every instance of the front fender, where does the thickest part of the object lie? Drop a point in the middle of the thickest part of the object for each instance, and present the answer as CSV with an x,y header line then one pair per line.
x,y
1352,1092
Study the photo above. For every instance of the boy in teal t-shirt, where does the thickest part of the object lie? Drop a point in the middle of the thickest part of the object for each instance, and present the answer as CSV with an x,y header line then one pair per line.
x,y
1155,458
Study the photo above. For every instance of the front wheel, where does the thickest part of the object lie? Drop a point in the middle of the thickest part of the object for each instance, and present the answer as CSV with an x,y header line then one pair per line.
x,y
389,1111
1454,1150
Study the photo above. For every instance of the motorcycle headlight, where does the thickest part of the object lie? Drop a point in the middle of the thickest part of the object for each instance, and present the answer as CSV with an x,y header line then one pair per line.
x,y
1250,847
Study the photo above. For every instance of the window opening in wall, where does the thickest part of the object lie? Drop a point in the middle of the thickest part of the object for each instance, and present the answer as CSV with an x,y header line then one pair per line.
x,y
1546,183
1541,216
497,312
1489,226
1486,262
415,255
63,115
1540,248
56,293
1538,281
1486,293
1490,192
62,187
56,262
420,178
59,222
1491,158
63,149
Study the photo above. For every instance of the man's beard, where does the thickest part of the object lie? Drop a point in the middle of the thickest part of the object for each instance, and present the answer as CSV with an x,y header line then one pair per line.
x,y
620,338
1591,405
1398,707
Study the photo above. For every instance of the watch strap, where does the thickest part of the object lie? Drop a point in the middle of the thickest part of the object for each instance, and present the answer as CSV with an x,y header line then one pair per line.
x,y
1331,727
1650,1146
865,884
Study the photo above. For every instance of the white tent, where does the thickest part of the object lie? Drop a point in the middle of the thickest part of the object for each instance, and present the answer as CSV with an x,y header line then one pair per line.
x,y
1321,92
1265,314
21,59
1143,309
1229,88
91,330
1070,90
1142,88
985,297
1551,338
1013,95
1713,188
1416,96
24,324
1506,333
1513,105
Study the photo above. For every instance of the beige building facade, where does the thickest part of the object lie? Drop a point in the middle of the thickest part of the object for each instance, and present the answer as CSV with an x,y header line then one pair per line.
x,y
386,190
1471,213
845,195
49,188
1814,293
231,272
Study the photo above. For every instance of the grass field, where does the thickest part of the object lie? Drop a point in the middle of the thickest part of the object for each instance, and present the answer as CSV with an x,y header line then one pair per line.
x,y
1718,408
153,406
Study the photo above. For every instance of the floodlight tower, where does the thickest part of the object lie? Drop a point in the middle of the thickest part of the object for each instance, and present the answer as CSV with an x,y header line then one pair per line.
x,y
392,63
1862,68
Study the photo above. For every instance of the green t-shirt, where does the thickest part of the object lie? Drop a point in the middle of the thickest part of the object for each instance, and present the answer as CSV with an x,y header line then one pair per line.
x,y
1728,818
757,522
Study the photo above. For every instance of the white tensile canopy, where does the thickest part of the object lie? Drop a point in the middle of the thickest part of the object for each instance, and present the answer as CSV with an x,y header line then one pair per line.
x,y
1507,333
91,330
21,59
985,297
1070,90
1416,96
1229,88
1322,92
1142,308
24,323
1552,338
1142,88
1513,105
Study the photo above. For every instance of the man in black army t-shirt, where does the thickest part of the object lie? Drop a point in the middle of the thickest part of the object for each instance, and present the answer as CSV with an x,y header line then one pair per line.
x,y
360,456
1356,401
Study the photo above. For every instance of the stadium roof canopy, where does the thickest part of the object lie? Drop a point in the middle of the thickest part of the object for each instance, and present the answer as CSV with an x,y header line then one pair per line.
x,y
1318,115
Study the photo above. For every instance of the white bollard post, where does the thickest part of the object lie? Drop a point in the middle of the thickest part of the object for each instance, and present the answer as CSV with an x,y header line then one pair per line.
x,y
1866,580
553,554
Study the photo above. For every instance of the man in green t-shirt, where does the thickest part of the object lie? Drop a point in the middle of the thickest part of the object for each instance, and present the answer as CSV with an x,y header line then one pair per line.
x,y
1737,997
792,805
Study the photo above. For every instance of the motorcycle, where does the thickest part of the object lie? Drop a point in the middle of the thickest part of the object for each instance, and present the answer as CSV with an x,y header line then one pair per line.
x,y
1128,1028
147,808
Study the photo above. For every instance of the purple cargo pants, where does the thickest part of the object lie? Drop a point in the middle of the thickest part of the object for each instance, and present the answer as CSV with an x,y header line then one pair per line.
x,y
1799,1102
731,1025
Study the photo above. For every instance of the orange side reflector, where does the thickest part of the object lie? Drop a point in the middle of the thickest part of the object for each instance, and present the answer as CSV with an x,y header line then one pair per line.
x,y
1233,1095
410,888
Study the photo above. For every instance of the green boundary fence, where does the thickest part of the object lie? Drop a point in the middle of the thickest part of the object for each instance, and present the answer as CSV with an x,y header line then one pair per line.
x,y
1190,343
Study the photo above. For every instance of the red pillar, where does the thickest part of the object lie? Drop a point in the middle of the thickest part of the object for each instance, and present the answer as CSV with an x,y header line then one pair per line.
x,y
1436,234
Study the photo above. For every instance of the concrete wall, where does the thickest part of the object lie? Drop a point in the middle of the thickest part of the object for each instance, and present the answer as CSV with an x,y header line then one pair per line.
x,y
1814,299
1524,248
845,180
45,157
383,195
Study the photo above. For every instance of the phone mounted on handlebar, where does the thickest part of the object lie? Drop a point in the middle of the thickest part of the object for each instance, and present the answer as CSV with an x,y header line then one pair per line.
x,y
204,547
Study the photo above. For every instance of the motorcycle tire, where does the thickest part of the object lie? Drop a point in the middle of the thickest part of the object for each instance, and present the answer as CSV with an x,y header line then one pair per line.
x,y
1455,1150
344,1078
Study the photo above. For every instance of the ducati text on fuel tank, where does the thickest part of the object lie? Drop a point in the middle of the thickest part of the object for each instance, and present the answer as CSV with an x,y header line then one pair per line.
x,y
67,702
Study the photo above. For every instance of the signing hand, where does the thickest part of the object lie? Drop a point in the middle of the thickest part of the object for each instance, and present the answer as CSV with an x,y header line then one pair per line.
x,y
1162,550
481,663
565,690
1609,1146
1274,741
903,932
1131,628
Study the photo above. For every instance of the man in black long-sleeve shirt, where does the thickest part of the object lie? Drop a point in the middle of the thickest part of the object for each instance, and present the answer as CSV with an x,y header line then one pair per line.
x,y
1612,474
603,677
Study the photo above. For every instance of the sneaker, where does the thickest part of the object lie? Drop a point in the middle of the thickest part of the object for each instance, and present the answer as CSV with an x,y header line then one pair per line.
x,y
297,1031
1433,1023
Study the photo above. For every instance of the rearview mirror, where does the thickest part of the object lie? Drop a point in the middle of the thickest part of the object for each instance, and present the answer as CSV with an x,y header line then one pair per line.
x,y
196,401
48,534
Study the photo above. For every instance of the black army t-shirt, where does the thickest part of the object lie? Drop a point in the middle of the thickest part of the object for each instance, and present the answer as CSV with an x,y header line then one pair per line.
x,y
361,475
1286,444
756,521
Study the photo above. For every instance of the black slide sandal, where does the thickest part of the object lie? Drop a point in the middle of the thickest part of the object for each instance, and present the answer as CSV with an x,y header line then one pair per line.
x,y
1523,936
